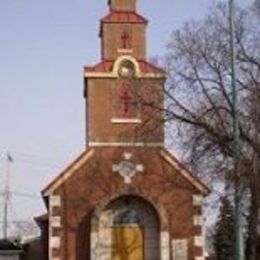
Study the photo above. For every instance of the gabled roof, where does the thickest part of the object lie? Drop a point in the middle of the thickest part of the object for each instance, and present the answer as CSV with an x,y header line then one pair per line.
x,y
124,17
106,66
185,172
147,67
102,66
86,156
65,174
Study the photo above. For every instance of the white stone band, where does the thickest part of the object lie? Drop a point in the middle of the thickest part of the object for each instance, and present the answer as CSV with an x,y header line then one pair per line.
x,y
122,144
126,121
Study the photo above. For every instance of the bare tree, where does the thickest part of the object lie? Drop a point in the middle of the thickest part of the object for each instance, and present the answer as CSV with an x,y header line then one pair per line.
x,y
23,229
257,6
199,103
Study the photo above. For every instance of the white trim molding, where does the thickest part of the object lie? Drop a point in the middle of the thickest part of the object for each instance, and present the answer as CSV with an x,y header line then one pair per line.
x,y
55,242
67,173
114,73
165,245
125,51
55,201
197,220
55,222
129,58
184,172
197,200
198,241
126,121
180,249
124,144
199,258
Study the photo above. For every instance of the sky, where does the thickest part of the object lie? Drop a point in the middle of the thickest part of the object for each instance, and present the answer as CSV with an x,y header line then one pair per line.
x,y
44,45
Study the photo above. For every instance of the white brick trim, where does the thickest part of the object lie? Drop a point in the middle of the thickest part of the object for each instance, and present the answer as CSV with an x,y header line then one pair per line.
x,y
198,241
139,168
55,242
197,220
180,249
197,200
55,201
199,258
55,222
165,245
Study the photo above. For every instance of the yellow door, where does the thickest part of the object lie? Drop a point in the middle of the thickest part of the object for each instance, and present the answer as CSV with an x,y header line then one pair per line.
x,y
127,243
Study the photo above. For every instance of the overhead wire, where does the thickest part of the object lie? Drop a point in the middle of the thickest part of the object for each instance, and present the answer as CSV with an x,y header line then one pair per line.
x,y
22,194
27,158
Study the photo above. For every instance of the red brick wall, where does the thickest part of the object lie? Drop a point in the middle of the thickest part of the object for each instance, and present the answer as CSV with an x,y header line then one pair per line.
x,y
112,42
99,108
94,182
124,5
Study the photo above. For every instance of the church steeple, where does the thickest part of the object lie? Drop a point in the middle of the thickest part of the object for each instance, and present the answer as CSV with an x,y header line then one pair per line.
x,y
123,31
122,5
113,86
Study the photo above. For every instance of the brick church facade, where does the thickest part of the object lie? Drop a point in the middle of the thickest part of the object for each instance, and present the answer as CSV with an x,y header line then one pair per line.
x,y
125,197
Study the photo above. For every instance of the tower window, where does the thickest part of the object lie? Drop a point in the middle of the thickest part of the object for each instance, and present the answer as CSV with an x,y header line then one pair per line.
x,y
126,69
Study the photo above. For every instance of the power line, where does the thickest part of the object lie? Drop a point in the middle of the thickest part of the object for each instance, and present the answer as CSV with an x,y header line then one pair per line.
x,y
22,194
28,158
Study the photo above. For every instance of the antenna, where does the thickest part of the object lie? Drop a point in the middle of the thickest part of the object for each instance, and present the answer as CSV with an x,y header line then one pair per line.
x,y
9,160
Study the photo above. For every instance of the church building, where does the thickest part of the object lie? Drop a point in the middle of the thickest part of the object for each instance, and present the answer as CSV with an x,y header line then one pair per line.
x,y
125,197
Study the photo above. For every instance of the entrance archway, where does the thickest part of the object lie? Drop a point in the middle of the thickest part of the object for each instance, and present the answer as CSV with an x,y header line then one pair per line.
x,y
128,228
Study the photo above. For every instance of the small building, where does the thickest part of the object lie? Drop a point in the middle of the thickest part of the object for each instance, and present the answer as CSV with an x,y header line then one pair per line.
x,y
32,248
10,250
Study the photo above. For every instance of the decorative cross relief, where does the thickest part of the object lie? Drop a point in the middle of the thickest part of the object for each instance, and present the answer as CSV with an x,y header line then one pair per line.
x,y
125,40
126,98
127,168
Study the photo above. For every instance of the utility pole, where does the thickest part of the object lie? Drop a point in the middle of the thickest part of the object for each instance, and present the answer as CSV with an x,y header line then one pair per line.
x,y
238,184
9,160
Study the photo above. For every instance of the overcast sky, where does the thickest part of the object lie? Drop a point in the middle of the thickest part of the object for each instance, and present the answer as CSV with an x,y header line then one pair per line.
x,y
44,45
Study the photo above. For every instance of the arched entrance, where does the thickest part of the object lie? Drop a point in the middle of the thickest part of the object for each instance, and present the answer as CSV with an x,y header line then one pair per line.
x,y
127,229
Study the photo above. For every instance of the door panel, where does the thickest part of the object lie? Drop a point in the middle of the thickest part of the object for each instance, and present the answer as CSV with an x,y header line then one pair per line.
x,y
127,243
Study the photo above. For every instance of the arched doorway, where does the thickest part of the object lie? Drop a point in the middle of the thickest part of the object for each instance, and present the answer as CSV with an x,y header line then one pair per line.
x,y
127,229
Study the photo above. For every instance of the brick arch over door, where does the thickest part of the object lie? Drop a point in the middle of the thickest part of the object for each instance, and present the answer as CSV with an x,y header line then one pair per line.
x,y
151,216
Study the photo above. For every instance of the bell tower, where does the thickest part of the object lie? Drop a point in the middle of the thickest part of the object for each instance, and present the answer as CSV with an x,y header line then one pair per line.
x,y
122,31
117,87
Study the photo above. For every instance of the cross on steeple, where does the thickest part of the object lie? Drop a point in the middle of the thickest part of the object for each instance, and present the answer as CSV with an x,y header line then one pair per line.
x,y
125,38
